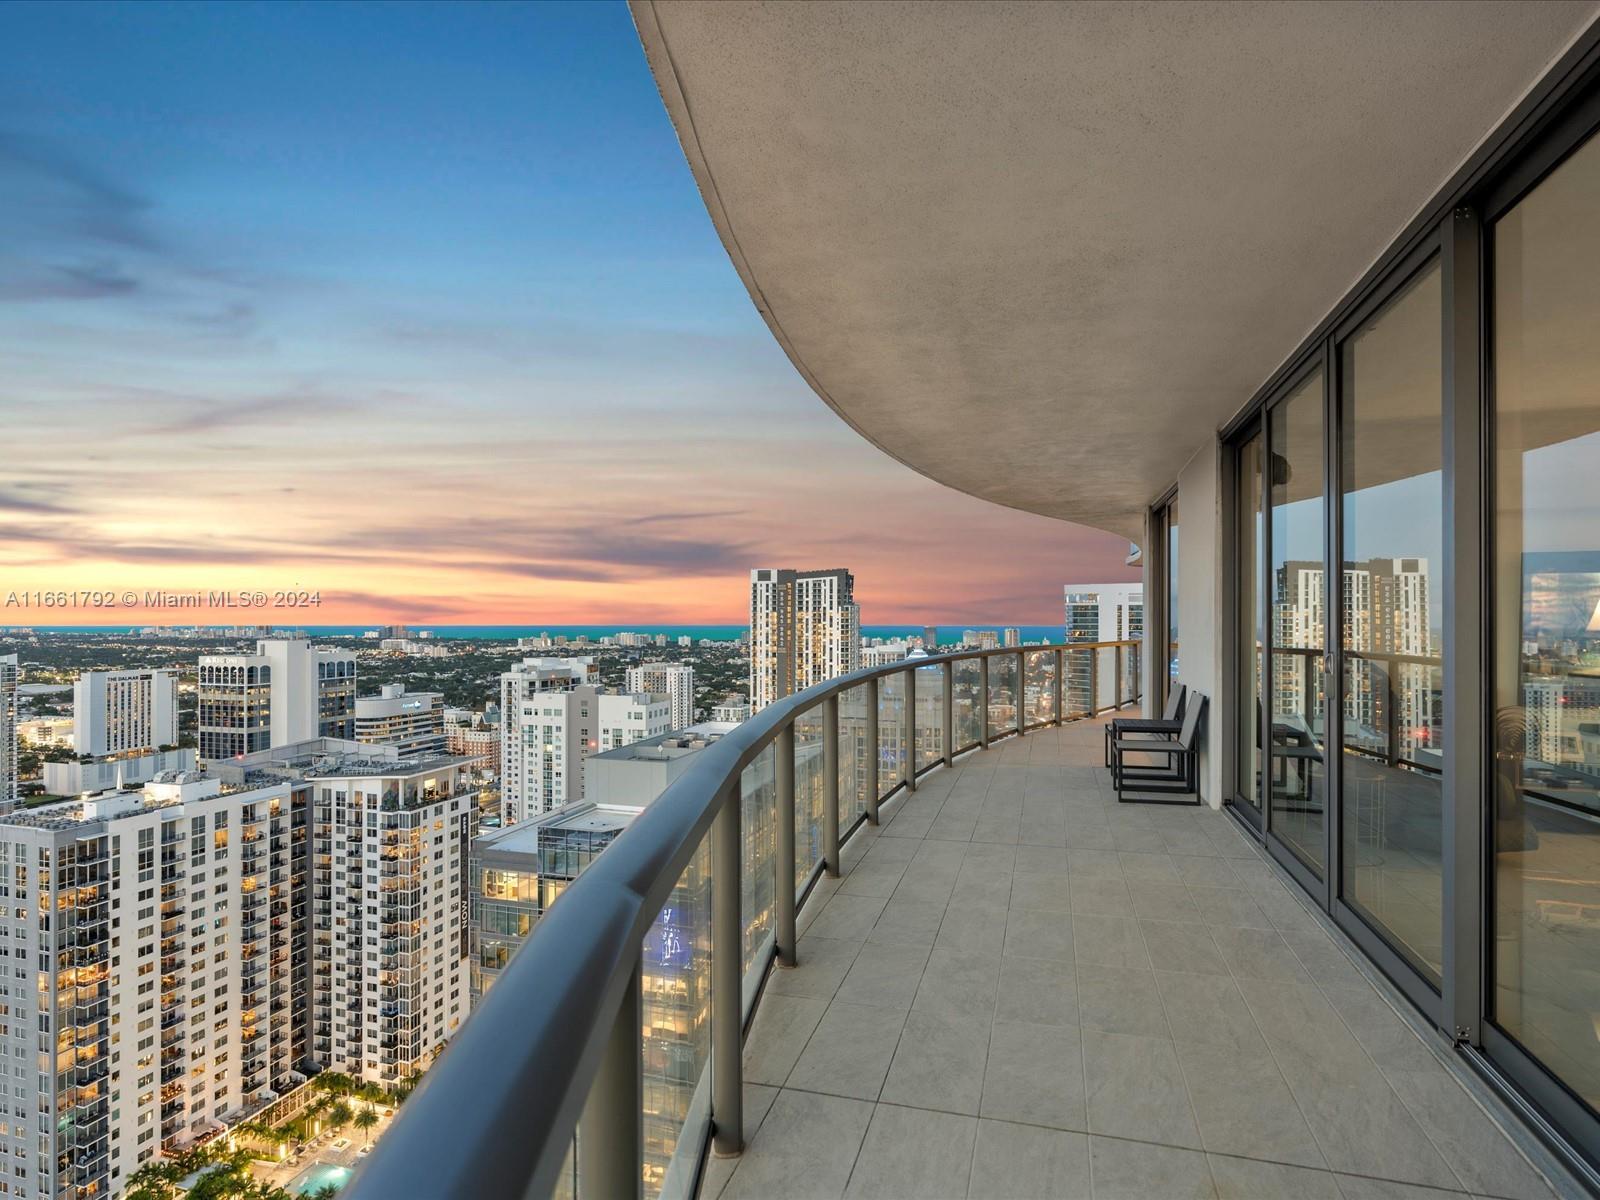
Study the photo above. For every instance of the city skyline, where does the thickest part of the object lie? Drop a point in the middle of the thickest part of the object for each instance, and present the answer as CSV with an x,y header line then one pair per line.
x,y
497,281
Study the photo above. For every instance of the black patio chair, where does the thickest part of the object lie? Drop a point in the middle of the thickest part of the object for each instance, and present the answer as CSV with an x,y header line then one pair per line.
x,y
1179,775
1169,722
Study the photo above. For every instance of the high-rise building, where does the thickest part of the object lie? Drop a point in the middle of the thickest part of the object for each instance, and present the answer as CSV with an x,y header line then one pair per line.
x,y
194,1013
1100,612
286,692
387,903
980,639
805,627
8,732
411,721
930,638
221,935
554,714
1011,637
124,712
675,681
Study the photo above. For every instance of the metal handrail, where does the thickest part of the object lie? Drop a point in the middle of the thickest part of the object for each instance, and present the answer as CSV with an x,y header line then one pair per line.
x,y
557,1030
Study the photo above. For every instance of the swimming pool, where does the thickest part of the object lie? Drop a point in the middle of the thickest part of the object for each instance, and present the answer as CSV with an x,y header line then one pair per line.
x,y
319,1175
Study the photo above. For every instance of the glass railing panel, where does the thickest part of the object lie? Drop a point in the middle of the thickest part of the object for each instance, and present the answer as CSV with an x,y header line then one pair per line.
x,y
1106,677
809,792
968,704
1002,694
853,755
1039,686
1078,681
675,985
758,878
891,732
930,715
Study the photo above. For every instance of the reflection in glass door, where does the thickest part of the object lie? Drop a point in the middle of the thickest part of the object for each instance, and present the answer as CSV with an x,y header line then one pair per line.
x,y
1391,396
1297,624
1545,947
1248,567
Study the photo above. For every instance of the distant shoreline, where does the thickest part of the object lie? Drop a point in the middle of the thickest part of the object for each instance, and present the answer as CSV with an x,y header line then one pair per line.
x,y
948,634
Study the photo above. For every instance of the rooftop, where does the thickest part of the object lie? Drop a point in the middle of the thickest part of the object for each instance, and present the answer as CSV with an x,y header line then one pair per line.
x,y
581,816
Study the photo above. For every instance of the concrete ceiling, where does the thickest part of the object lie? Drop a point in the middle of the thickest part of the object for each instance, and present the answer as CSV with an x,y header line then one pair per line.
x,y
1040,252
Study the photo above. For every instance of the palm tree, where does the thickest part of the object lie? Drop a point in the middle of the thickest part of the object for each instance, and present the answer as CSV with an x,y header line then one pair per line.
x,y
335,1081
365,1120
340,1113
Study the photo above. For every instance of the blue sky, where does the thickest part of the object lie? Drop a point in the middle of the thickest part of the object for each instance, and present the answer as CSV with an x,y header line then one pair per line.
x,y
419,305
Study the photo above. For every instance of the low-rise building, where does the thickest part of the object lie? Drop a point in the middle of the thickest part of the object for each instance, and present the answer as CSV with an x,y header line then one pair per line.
x,y
732,709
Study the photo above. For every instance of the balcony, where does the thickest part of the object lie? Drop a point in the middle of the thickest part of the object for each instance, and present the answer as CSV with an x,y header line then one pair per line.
x,y
1012,984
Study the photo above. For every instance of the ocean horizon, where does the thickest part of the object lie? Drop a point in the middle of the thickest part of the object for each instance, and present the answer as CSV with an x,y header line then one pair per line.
x,y
948,634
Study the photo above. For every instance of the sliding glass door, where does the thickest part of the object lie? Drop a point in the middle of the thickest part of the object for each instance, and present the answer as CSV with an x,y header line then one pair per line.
x,y
1297,624
1391,522
1413,726
1544,970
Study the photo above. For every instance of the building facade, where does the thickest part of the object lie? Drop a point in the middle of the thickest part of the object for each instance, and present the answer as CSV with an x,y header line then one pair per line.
x,y
805,627
481,743
554,715
675,681
413,722
732,709
8,731
74,778
178,1000
1100,612
124,712
287,691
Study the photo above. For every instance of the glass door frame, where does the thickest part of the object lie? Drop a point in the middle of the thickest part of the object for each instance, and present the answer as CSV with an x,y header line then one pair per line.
x,y
1538,1095
1456,245
1281,851
1234,493
1417,988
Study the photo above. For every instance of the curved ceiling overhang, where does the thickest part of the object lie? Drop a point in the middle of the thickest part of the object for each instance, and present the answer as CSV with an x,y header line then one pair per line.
x,y
1040,252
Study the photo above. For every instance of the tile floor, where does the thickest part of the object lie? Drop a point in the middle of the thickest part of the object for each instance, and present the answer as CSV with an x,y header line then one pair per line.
x,y
1019,989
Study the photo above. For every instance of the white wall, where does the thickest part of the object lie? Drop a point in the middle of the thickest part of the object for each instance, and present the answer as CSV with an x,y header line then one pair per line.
x,y
1200,598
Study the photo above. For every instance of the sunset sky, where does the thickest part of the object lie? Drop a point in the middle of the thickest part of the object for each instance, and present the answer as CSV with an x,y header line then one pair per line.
x,y
418,307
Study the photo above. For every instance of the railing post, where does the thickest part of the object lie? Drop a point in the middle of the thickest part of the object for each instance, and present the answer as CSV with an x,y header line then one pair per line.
x,y
1094,681
1018,692
1116,690
611,1132
874,752
983,702
911,730
830,784
727,958
948,727
1060,709
783,768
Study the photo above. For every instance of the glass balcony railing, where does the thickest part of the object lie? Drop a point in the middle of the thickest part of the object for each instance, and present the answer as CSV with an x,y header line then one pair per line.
x,y
621,1018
